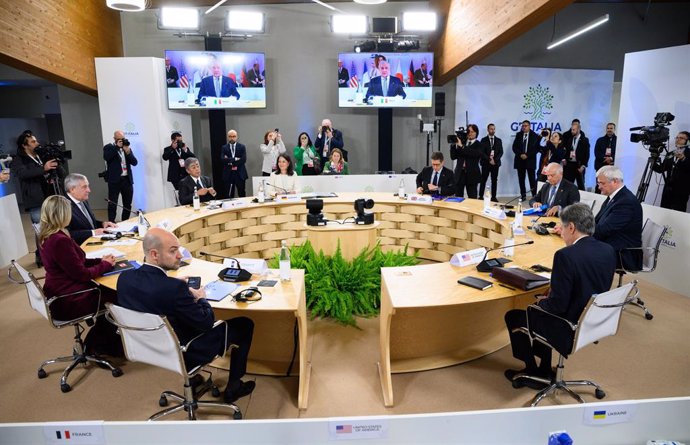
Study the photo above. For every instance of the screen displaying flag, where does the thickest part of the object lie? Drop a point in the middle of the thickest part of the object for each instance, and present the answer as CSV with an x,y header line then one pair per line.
x,y
398,73
410,74
354,83
184,82
343,429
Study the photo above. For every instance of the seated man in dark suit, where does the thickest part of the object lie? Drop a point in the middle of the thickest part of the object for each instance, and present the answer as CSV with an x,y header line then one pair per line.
x,y
437,179
557,193
202,184
394,87
217,85
149,289
619,221
581,269
83,224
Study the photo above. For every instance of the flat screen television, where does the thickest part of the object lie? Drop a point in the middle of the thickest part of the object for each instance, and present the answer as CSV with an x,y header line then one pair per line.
x,y
385,80
214,79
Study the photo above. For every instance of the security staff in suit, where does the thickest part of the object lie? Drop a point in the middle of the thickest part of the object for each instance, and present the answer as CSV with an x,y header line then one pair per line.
x,y
581,269
217,85
255,78
605,147
576,155
557,193
422,78
171,76
492,146
467,173
175,154
233,156
619,221
83,224
525,147
385,84
343,75
195,181
119,160
676,170
437,179
149,289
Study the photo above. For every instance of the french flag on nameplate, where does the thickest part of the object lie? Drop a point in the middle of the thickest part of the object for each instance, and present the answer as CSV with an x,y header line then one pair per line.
x,y
343,429
60,434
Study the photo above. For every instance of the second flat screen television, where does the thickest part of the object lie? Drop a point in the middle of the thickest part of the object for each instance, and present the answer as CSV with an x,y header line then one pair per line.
x,y
385,80
213,79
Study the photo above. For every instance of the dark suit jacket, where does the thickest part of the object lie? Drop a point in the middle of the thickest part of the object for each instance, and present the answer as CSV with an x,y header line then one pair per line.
x,y
486,149
579,271
470,156
581,151
532,148
619,224
67,271
600,150
112,158
175,172
228,88
566,194
226,158
421,78
549,154
343,77
79,226
32,182
171,74
677,175
395,87
335,142
149,289
255,79
446,181
187,190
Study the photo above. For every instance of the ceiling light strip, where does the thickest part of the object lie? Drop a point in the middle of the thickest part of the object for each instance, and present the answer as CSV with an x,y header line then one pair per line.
x,y
584,29
326,5
212,8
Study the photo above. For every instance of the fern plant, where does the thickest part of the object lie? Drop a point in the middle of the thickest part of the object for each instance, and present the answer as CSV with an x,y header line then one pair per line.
x,y
340,289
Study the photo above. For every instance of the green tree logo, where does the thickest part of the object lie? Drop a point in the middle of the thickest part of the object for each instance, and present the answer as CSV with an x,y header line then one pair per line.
x,y
538,101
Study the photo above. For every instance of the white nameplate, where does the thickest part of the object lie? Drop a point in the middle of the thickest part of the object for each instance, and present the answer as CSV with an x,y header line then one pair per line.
x,y
494,212
90,433
608,414
420,199
358,429
288,198
234,204
473,256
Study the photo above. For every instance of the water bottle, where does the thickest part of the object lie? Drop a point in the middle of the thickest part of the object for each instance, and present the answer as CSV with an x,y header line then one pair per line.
x,y
262,194
195,200
508,250
487,197
518,215
401,188
284,262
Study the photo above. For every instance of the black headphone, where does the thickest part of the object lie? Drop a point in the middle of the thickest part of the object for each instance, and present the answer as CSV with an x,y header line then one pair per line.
x,y
248,295
112,236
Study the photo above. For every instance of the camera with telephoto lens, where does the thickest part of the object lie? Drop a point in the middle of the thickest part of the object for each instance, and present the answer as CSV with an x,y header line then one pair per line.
x,y
460,134
654,137
545,133
180,144
53,151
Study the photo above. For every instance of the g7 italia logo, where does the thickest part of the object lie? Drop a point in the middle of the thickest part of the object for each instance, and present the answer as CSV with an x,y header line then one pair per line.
x,y
538,102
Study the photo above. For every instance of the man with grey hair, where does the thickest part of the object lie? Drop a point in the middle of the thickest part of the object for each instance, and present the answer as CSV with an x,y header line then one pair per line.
x,y
194,180
581,269
557,193
328,138
83,224
619,221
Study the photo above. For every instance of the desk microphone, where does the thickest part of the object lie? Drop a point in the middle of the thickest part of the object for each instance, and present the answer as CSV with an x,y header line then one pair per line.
x,y
487,265
285,191
506,206
539,229
139,212
232,274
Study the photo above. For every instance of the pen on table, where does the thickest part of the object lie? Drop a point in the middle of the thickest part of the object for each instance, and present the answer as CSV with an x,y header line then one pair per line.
x,y
507,287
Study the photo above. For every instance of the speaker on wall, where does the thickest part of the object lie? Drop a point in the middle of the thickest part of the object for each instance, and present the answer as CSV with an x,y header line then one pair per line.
x,y
440,104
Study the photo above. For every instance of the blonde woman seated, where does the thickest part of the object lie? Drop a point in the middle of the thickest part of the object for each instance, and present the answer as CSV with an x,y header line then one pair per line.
x,y
284,180
336,165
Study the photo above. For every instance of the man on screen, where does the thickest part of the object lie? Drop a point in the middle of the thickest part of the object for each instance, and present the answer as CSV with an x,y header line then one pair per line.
x,y
217,85
385,85
422,77
343,75
256,80
171,76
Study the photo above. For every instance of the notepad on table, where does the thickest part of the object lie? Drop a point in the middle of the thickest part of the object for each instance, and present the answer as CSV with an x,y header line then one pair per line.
x,y
475,282
122,266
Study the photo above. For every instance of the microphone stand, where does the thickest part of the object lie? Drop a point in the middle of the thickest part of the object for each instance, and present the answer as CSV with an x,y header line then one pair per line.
x,y
506,206
278,188
139,212
487,265
237,263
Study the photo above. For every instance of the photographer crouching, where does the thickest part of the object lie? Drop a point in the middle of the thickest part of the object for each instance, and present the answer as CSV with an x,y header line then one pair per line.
x,y
119,160
676,171
40,175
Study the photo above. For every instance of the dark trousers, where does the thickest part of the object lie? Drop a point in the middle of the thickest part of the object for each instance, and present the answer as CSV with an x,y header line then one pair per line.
x,y
486,170
673,200
531,176
115,189
265,174
236,185
240,332
523,349
176,184
572,174
463,183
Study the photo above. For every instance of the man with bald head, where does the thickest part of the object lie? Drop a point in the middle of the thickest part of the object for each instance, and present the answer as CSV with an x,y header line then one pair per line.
x,y
149,289
233,156
119,160
557,193
328,138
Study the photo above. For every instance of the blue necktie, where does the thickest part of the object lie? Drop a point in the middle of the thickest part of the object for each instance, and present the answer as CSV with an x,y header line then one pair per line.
x,y
552,194
435,180
385,86
217,79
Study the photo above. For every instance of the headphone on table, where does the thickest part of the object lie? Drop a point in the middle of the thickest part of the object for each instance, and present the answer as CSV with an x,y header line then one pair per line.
x,y
248,295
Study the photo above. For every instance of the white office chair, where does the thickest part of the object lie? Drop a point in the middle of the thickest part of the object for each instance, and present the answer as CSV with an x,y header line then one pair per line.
x,y
652,234
149,338
40,304
599,319
589,203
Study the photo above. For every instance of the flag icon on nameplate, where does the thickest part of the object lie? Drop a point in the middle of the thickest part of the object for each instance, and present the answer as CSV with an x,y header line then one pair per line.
x,y
600,414
343,429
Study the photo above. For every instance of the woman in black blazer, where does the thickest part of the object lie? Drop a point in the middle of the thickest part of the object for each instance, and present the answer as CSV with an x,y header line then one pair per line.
x,y
467,173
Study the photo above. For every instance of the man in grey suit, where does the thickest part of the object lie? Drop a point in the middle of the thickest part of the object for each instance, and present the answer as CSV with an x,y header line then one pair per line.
x,y
557,193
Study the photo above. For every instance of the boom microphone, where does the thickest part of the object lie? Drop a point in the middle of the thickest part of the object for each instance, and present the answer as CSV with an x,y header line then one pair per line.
x,y
139,212
506,206
487,265
278,188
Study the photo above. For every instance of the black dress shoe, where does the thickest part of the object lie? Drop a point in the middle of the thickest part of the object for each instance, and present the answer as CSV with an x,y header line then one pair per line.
x,y
237,390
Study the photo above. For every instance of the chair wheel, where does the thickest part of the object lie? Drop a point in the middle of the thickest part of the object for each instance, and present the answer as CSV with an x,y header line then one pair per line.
x,y
163,401
65,387
599,393
237,415
42,373
215,392
117,372
640,302
648,316
517,384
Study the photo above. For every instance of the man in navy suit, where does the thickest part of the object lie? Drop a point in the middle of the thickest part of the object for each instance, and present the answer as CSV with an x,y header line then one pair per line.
x,y
119,160
83,224
557,193
234,157
437,179
385,84
217,85
492,146
149,289
619,221
525,147
581,269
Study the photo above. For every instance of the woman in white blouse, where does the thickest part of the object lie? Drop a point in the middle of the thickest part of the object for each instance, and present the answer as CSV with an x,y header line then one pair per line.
x,y
271,148
284,180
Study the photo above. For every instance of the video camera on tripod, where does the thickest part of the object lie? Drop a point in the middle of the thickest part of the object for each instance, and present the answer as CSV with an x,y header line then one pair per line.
x,y
654,138
54,151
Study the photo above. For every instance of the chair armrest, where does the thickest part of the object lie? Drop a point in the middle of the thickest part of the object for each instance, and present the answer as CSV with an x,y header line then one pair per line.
x,y
91,289
534,307
111,319
642,248
217,323
634,293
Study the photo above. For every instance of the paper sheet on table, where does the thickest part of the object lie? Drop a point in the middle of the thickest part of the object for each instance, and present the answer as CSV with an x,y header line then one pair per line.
x,y
127,226
100,253
121,242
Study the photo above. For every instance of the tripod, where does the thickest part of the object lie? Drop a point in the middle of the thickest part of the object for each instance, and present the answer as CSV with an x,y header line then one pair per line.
x,y
646,178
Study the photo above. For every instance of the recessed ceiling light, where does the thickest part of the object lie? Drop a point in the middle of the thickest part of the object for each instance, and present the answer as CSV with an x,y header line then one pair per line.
x,y
126,5
370,2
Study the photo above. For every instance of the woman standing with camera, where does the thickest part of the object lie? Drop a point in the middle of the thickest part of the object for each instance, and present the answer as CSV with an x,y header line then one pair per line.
x,y
307,161
273,146
552,150
467,173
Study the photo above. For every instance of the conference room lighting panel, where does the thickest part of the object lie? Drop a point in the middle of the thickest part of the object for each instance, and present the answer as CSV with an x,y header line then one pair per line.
x,y
245,21
419,21
179,18
349,24
126,5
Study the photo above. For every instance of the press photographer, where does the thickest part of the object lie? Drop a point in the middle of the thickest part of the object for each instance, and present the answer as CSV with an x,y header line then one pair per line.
x,y
676,171
467,151
119,160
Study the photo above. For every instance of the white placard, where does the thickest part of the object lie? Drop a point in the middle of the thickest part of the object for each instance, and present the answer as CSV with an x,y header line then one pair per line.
x,y
420,199
468,257
494,212
608,414
233,204
287,198
83,433
100,253
358,429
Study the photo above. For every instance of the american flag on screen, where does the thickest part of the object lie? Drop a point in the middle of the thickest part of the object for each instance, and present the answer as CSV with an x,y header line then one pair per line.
x,y
184,82
354,83
343,429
